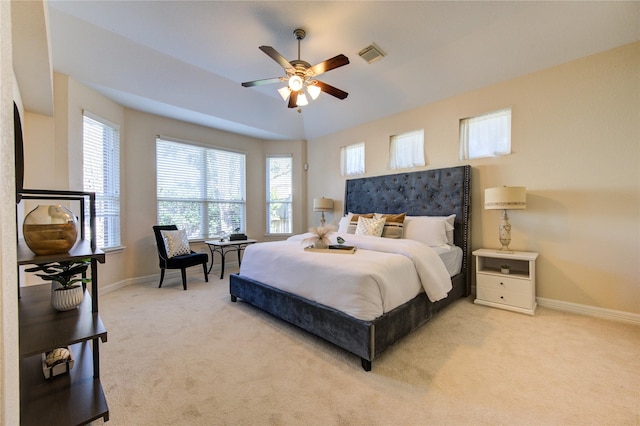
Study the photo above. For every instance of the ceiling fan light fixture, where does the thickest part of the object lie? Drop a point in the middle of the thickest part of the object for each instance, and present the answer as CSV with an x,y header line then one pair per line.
x,y
314,91
302,99
284,92
295,83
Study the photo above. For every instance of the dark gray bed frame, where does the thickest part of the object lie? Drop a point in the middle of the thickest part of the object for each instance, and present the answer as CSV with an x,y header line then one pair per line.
x,y
438,192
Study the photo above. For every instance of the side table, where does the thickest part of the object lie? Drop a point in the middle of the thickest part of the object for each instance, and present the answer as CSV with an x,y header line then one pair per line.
x,y
223,247
515,290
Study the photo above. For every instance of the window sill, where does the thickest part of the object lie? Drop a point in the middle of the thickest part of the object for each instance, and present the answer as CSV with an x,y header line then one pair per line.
x,y
113,250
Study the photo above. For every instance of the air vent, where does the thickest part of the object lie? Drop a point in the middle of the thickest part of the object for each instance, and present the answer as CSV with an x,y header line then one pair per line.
x,y
371,53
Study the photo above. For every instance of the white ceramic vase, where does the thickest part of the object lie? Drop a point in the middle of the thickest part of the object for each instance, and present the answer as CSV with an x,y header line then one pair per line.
x,y
319,244
66,299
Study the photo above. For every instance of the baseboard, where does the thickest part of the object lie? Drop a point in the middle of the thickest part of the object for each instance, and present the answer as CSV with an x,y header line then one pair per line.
x,y
169,275
591,311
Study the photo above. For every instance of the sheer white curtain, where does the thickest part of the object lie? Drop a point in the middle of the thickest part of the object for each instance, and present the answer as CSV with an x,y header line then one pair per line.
x,y
406,150
352,159
486,135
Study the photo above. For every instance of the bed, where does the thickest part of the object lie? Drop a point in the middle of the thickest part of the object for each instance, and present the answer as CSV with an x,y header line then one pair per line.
x,y
438,192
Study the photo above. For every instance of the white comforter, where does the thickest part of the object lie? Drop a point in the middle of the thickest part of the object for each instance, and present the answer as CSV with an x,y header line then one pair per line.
x,y
381,275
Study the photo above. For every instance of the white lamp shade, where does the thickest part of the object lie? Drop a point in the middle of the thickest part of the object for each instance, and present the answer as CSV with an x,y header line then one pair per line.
x,y
505,198
284,92
322,204
302,99
314,91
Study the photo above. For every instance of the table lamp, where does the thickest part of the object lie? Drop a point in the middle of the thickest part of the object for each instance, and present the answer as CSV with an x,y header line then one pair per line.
x,y
322,205
505,198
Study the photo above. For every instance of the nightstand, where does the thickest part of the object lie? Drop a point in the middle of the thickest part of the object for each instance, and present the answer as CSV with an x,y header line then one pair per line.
x,y
515,291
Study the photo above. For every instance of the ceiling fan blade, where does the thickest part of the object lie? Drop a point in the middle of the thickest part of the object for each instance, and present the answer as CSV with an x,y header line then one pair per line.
x,y
329,64
261,82
333,91
273,54
293,99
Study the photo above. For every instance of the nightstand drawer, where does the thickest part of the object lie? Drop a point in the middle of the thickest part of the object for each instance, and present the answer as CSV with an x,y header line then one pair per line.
x,y
519,299
500,283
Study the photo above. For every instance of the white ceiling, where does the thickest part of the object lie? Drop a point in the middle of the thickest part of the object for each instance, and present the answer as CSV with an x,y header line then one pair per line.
x,y
186,59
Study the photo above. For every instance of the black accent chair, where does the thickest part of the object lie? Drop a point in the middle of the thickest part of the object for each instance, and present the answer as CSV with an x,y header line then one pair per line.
x,y
178,262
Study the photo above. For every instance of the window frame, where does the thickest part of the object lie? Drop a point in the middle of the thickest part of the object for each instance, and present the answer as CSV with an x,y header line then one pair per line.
x,y
107,190
205,202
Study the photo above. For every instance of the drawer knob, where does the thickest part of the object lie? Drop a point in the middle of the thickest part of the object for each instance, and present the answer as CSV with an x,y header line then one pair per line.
x,y
502,297
501,283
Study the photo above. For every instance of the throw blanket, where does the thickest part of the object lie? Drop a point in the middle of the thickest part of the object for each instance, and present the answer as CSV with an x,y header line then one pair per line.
x,y
382,274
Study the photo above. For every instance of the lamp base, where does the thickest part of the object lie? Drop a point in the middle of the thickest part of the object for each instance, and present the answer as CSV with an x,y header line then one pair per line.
x,y
505,233
322,221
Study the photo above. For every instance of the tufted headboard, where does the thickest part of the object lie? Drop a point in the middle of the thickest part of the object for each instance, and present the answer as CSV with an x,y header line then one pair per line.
x,y
438,192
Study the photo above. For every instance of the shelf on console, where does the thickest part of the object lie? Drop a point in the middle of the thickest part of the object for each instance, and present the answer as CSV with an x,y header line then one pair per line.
x,y
69,399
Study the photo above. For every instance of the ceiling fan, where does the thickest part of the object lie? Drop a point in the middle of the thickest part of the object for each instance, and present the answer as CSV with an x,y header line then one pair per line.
x,y
300,76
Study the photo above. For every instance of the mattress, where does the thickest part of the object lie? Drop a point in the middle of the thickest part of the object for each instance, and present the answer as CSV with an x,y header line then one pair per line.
x,y
381,275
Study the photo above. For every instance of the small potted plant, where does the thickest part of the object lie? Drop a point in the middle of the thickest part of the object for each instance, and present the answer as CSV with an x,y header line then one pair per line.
x,y
505,269
67,290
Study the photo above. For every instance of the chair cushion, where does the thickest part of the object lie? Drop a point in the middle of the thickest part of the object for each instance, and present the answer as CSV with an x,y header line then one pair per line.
x,y
176,242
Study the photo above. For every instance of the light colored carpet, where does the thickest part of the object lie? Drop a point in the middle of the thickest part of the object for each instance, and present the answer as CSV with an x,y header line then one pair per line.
x,y
193,357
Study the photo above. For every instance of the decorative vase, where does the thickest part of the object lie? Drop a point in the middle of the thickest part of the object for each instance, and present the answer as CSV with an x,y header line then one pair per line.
x,y
50,229
66,299
504,270
319,244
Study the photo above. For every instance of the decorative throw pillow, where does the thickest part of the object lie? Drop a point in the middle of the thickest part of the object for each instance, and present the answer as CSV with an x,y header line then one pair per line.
x,y
393,225
370,226
176,242
353,222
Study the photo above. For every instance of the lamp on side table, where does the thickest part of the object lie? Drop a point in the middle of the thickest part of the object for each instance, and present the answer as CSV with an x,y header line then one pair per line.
x,y
322,205
505,198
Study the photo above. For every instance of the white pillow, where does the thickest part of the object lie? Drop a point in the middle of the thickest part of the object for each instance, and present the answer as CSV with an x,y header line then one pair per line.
x,y
176,242
343,225
450,220
431,230
372,227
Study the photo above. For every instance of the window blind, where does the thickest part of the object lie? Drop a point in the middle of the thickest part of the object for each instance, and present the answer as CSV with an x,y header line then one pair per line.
x,y
200,189
279,194
101,174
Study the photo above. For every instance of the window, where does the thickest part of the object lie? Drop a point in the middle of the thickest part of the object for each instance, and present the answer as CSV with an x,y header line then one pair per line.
x,y
486,135
352,159
279,194
406,150
200,189
101,174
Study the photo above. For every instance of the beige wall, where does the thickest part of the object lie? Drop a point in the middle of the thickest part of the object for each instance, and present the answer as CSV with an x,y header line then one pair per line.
x,y
139,153
9,364
53,160
576,148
